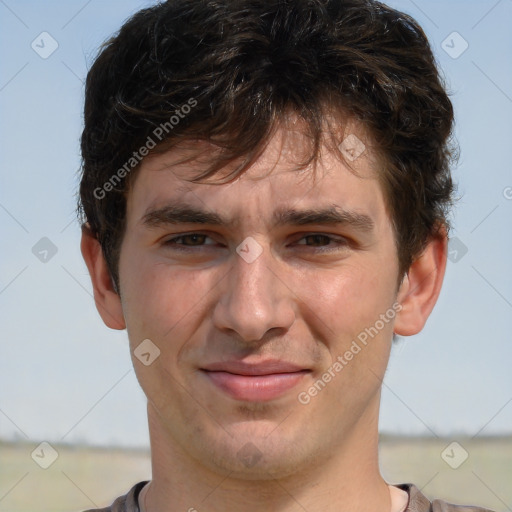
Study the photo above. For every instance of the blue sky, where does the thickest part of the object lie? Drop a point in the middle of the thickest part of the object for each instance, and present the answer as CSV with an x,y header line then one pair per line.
x,y
65,377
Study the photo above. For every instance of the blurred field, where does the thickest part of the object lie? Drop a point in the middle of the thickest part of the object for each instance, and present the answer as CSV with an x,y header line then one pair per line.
x,y
83,478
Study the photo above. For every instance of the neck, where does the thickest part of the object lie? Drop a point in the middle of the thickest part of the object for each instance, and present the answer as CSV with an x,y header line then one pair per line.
x,y
347,480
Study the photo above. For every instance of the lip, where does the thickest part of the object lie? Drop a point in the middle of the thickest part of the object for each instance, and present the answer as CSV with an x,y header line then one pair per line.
x,y
266,367
255,382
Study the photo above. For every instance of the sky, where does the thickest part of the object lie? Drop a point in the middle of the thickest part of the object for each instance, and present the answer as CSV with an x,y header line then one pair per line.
x,y
65,377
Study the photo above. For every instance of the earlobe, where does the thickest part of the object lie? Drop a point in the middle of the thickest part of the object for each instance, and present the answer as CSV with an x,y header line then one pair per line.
x,y
108,302
420,288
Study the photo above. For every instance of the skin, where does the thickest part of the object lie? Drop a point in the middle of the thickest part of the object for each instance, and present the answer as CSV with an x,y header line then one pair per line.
x,y
304,300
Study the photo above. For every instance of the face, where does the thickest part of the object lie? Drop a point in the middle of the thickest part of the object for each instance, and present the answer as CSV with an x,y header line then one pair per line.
x,y
271,300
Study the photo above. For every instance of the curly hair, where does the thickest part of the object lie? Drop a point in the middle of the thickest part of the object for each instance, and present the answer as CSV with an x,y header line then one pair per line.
x,y
236,68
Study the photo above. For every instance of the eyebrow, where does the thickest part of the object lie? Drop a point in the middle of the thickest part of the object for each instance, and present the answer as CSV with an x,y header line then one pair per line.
x,y
332,215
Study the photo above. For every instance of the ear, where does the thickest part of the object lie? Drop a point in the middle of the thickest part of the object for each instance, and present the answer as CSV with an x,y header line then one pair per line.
x,y
421,286
108,301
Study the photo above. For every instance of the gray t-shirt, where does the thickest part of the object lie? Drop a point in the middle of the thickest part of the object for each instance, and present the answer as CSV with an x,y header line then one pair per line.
x,y
417,502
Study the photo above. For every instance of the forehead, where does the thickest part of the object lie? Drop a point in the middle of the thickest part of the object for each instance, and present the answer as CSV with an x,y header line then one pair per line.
x,y
346,175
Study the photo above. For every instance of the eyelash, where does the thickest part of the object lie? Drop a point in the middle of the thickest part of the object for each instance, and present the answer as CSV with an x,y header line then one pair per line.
x,y
172,242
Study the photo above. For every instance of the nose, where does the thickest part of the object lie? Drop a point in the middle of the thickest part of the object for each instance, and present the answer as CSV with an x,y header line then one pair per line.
x,y
254,299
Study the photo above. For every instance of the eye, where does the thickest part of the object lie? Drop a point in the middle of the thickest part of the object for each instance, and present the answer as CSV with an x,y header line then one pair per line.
x,y
323,241
320,242
188,240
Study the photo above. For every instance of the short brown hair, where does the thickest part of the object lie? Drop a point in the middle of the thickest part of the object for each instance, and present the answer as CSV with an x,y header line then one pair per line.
x,y
240,66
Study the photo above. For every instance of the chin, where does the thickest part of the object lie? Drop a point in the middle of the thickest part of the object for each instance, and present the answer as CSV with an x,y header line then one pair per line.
x,y
256,453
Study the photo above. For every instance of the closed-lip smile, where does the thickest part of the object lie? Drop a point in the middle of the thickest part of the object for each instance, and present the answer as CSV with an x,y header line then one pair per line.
x,y
255,381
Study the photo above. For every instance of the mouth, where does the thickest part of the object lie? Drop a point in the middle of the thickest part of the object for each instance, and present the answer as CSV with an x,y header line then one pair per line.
x,y
258,382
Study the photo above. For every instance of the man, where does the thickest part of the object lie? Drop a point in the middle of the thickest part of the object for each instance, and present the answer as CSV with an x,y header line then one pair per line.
x,y
264,195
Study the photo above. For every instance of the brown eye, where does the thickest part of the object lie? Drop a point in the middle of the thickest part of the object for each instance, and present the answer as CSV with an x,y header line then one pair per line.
x,y
322,241
193,239
318,239
188,240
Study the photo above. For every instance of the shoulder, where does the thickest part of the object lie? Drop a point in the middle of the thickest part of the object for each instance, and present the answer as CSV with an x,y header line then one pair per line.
x,y
420,503
126,503
443,506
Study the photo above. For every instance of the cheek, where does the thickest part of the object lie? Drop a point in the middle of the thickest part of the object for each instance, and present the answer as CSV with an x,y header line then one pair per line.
x,y
347,316
348,299
163,304
160,300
